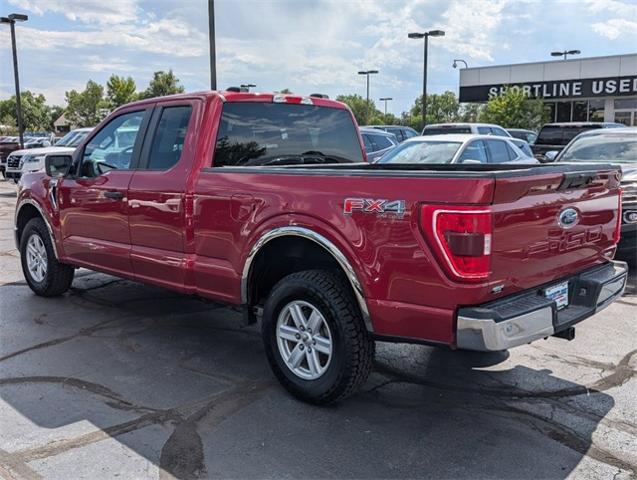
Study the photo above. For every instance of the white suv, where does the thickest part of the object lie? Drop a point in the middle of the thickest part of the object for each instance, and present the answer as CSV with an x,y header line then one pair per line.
x,y
474,128
24,161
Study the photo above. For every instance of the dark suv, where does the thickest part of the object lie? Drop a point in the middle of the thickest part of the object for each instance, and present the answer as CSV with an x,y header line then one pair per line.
x,y
401,132
553,137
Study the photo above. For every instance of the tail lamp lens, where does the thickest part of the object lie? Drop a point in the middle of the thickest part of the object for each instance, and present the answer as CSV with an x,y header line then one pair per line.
x,y
462,238
618,228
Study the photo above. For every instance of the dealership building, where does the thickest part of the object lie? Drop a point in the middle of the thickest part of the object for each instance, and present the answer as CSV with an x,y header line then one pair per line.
x,y
574,90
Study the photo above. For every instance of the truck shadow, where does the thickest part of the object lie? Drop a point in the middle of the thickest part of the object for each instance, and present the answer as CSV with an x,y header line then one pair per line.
x,y
180,387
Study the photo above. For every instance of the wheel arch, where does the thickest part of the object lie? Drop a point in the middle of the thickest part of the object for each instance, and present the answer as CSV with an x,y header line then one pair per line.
x,y
26,210
317,239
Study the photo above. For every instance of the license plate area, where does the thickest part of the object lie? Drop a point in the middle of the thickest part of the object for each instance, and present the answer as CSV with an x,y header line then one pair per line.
x,y
559,294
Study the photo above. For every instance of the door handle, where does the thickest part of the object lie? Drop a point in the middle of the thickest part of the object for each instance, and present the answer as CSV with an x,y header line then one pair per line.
x,y
114,195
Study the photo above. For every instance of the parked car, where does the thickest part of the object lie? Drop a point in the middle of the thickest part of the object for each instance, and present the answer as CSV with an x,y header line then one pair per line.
x,y
401,132
7,145
377,142
20,162
279,213
458,148
522,145
553,137
528,136
613,146
473,128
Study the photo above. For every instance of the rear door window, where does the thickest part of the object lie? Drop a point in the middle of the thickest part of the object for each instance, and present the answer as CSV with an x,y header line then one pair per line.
x,y
381,142
169,137
498,152
474,151
512,153
369,147
252,134
484,131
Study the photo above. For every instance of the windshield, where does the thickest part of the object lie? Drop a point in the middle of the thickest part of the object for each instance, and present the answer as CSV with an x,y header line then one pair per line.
x,y
66,139
602,148
445,130
560,135
422,152
77,139
278,133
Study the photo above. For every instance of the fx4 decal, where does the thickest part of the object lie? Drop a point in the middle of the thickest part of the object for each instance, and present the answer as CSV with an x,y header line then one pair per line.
x,y
377,206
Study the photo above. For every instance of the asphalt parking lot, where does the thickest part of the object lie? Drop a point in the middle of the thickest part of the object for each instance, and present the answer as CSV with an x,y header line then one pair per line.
x,y
117,379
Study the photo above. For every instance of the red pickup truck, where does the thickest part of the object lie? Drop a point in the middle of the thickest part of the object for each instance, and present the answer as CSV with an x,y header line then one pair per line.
x,y
266,201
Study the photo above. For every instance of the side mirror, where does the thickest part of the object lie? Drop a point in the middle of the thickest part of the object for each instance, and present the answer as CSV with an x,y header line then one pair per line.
x,y
58,165
551,155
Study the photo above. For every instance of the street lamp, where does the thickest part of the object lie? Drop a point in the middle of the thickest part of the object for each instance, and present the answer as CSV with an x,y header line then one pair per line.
x,y
11,19
385,99
565,53
455,63
425,35
367,73
247,86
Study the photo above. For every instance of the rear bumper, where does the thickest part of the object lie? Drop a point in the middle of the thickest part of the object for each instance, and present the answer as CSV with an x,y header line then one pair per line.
x,y
529,315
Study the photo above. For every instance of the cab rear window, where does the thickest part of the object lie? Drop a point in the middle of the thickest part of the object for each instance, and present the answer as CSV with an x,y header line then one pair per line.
x,y
445,130
253,134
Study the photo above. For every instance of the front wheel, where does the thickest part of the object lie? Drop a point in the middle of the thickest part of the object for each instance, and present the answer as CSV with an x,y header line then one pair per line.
x,y
44,274
315,338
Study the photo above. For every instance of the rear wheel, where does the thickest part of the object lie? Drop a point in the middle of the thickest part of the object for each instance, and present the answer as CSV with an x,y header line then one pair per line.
x,y
314,337
44,274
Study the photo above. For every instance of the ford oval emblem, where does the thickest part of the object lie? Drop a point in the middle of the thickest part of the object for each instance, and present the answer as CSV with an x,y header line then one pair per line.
x,y
568,218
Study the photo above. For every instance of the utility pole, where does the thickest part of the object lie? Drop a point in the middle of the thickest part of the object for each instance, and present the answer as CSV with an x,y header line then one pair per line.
x,y
213,49
11,19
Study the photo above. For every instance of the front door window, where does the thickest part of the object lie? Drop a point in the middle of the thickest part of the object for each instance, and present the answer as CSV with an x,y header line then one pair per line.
x,y
112,147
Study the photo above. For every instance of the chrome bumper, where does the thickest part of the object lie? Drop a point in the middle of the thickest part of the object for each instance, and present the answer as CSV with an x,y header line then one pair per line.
x,y
527,316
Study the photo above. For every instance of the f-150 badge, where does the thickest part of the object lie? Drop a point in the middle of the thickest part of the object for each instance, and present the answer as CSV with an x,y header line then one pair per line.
x,y
377,206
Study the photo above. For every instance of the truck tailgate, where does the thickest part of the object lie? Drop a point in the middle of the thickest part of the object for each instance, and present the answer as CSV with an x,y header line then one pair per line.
x,y
550,225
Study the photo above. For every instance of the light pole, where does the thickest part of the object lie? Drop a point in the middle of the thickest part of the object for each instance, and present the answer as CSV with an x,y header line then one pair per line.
x,y
385,99
247,86
425,35
367,73
212,41
11,19
455,63
565,53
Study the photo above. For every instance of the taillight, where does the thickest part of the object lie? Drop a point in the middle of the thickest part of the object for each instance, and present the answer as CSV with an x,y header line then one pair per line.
x,y
618,228
461,236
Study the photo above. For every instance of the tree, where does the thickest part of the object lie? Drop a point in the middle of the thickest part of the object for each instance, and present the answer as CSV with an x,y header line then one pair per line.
x,y
441,108
163,83
87,108
120,90
363,113
35,111
513,109
286,91
470,112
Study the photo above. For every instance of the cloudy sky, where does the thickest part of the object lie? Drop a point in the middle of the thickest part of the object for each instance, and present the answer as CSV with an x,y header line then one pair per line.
x,y
305,45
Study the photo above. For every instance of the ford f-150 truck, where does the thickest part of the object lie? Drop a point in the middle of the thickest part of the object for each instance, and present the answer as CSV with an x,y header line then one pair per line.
x,y
267,202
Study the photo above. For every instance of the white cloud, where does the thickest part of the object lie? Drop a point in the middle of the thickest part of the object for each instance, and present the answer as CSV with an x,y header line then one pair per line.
x,y
623,21
90,11
615,28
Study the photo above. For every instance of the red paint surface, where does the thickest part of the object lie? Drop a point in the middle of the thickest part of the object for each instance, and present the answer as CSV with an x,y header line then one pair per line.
x,y
191,230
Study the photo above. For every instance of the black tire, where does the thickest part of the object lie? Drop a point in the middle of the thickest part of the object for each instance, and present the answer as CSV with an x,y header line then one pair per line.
x,y
58,277
353,348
